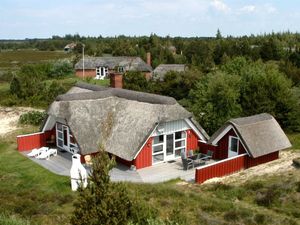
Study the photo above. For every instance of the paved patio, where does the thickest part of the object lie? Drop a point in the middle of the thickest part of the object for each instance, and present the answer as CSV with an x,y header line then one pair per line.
x,y
61,165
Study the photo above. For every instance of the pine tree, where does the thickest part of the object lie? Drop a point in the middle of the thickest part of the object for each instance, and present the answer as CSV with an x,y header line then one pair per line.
x,y
105,202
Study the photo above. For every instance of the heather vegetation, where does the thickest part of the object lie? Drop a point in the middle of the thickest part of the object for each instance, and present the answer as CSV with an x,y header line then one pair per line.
x,y
227,77
30,194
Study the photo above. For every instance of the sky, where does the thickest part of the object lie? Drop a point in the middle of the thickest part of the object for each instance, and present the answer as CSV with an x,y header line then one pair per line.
x,y
21,19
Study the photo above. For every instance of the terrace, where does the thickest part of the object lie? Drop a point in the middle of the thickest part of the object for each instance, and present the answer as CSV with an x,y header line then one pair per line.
x,y
61,165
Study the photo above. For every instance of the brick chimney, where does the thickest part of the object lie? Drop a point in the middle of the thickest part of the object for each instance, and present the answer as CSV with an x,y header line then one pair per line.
x,y
116,80
148,58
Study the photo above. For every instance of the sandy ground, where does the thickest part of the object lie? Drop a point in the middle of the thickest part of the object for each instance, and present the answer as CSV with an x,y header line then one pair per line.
x,y
281,166
9,117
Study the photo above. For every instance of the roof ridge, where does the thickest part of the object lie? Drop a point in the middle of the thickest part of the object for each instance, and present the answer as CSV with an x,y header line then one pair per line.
x,y
249,124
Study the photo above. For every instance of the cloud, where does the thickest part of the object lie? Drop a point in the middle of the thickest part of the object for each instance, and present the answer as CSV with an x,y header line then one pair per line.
x,y
248,8
219,5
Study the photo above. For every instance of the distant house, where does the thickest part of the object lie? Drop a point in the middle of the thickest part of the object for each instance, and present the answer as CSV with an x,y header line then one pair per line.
x,y
160,71
243,143
70,47
140,129
101,67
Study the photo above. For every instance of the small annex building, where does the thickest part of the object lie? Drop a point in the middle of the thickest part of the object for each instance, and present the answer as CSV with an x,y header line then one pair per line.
x,y
140,129
102,67
160,71
243,143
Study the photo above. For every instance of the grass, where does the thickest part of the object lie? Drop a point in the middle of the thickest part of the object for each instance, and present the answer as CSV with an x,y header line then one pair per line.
x,y
28,192
16,58
295,140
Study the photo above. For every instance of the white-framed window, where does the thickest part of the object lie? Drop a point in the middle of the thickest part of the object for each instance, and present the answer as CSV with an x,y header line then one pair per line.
x,y
233,147
179,143
101,72
65,140
121,69
158,149
60,135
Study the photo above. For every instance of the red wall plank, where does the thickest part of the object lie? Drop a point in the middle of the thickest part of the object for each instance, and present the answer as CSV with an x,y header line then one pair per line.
x,y
220,169
144,158
192,140
223,144
32,141
262,159
204,147
232,165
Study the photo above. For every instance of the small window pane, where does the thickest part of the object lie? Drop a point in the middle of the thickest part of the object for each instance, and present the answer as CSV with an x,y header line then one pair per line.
x,y
178,152
158,148
180,135
59,143
158,139
179,144
233,145
59,126
59,134
158,158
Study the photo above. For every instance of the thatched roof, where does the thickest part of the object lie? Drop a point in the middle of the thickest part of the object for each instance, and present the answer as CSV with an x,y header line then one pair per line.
x,y
160,71
261,134
129,63
119,120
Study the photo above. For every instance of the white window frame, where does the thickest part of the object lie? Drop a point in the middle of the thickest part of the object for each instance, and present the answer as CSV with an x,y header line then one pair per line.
x,y
237,144
164,145
71,147
160,152
180,140
101,72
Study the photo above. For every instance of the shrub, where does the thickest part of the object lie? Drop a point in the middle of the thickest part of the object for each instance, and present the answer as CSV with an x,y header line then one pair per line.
x,y
60,68
296,162
260,218
298,186
267,196
32,118
6,76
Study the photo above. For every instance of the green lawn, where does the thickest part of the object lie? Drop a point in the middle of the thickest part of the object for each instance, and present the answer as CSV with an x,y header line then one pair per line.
x,y
30,193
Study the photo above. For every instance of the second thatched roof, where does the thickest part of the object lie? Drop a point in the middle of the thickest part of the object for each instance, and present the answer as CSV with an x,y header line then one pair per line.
x,y
261,134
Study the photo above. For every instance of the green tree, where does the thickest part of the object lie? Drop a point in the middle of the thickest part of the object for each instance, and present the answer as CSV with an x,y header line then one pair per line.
x,y
265,89
104,202
15,87
218,35
216,99
134,80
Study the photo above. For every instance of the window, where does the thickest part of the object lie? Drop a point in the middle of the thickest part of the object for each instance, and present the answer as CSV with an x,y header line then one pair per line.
x,y
101,72
121,69
158,139
158,149
234,144
180,143
180,135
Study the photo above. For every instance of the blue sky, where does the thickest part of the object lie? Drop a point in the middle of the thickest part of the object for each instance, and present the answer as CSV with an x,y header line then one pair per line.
x,y
40,19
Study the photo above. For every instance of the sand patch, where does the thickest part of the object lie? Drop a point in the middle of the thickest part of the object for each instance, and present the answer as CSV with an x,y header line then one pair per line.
x,y
280,166
9,117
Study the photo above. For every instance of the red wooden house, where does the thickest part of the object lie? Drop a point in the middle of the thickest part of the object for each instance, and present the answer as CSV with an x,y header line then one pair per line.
x,y
140,129
242,143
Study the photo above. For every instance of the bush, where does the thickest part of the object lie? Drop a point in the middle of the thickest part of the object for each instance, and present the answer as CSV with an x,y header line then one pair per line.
x,y
32,118
60,68
267,196
260,218
296,162
6,76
